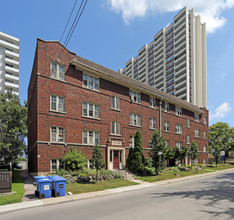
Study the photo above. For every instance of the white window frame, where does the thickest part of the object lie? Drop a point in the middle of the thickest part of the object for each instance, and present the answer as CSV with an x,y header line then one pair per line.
x,y
204,135
197,133
168,143
59,107
95,109
166,107
131,141
115,103
178,111
135,119
166,126
179,145
196,117
134,96
188,139
59,165
90,137
92,82
56,72
115,128
153,123
57,136
204,148
178,129
204,120
152,102
188,123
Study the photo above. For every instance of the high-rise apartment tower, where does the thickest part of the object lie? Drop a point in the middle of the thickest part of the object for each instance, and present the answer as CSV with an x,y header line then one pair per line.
x,y
175,61
9,64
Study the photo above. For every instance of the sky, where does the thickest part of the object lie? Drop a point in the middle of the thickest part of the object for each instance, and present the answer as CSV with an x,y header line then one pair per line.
x,y
110,32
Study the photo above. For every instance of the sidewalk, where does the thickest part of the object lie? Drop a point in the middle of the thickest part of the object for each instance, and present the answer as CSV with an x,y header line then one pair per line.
x,y
34,202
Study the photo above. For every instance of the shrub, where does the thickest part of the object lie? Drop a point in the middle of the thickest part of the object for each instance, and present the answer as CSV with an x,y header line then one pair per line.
x,y
149,171
74,160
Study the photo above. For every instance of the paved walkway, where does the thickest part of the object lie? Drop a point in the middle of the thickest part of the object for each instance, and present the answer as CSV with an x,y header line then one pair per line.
x,y
29,188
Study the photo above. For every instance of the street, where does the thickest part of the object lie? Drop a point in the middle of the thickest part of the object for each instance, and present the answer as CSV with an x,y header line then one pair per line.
x,y
209,197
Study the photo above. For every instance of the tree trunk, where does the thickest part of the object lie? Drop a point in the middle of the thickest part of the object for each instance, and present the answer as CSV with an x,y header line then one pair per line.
x,y
96,175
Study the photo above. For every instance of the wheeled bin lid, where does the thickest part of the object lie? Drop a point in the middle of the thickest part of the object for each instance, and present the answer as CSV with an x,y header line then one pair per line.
x,y
39,177
56,178
45,180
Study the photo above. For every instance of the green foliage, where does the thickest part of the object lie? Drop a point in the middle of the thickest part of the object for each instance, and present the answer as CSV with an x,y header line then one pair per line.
x,y
157,144
193,151
216,152
136,159
74,160
180,154
13,128
97,159
221,138
148,170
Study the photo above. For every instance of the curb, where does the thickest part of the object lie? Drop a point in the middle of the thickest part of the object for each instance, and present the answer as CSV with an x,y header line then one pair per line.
x,y
76,197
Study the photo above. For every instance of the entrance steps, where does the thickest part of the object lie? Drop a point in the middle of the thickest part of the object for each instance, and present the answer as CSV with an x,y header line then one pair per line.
x,y
127,174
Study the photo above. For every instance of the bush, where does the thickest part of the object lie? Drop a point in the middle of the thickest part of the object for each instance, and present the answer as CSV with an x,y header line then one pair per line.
x,y
149,171
74,160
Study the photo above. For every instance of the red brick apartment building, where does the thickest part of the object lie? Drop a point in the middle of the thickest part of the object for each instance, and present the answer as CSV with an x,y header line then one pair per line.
x,y
74,102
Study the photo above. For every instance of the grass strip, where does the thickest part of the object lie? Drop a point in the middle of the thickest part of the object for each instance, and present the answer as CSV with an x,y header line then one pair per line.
x,y
17,187
77,188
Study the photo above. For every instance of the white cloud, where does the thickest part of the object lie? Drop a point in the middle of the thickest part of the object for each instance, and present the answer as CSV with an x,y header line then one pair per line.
x,y
220,111
209,10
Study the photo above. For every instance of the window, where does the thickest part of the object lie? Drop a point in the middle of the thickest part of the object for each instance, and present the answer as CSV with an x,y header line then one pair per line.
x,y
204,134
196,133
166,107
166,126
168,143
115,102
196,117
90,110
179,145
178,129
152,123
152,102
57,103
90,82
90,137
204,120
56,164
115,127
178,111
135,119
204,148
188,123
57,71
57,134
135,96
131,141
188,139
204,161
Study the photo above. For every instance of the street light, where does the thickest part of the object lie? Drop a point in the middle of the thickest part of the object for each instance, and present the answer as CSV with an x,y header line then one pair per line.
x,y
159,154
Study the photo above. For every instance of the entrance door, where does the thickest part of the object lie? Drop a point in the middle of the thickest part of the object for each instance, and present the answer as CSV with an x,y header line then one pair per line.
x,y
116,160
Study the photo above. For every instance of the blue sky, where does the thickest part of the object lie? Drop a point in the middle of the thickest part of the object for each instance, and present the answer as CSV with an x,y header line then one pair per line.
x,y
112,31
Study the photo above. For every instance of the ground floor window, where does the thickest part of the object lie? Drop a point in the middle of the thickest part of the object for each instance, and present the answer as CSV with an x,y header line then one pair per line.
x,y
56,164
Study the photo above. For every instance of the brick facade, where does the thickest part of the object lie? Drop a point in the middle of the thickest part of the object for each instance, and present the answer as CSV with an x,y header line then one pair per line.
x,y
40,118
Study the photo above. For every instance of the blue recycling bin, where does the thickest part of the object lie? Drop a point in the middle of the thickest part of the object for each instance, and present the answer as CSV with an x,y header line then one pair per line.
x,y
36,178
58,186
45,188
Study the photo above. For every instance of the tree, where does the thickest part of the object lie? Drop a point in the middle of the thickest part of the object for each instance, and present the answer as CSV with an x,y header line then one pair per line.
x,y
180,154
74,160
136,159
221,136
13,128
97,159
193,151
216,152
158,145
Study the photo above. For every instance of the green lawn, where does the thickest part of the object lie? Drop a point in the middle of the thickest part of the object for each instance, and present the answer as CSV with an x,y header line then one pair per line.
x,y
172,174
17,187
77,188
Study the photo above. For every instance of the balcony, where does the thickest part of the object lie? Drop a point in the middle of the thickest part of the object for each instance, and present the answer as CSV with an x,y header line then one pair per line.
x,y
12,69
13,47
12,54
11,61
11,77
12,85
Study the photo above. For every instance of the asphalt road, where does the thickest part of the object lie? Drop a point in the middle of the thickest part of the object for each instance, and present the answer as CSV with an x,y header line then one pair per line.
x,y
204,198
